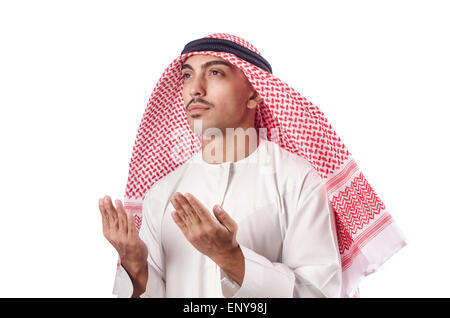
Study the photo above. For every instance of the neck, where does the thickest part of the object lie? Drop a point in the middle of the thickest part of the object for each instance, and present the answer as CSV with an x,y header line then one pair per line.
x,y
230,147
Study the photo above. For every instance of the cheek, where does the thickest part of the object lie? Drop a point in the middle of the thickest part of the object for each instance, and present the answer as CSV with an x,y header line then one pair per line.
x,y
185,95
226,97
218,91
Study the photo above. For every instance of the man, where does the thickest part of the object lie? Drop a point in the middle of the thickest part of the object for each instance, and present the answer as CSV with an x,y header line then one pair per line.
x,y
220,223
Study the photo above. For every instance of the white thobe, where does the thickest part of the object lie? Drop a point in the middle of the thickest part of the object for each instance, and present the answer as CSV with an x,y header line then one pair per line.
x,y
286,230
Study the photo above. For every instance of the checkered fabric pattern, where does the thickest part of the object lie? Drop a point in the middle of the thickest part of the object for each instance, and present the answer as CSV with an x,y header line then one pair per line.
x,y
165,141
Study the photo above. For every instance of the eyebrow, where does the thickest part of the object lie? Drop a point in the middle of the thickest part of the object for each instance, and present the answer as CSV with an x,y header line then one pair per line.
x,y
207,64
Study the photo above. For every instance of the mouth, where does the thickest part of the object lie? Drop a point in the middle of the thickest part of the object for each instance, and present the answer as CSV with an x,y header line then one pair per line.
x,y
197,109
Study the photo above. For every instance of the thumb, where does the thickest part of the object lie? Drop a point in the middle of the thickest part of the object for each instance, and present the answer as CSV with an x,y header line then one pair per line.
x,y
225,218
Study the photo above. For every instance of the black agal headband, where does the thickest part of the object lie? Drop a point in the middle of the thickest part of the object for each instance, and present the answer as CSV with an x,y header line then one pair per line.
x,y
222,45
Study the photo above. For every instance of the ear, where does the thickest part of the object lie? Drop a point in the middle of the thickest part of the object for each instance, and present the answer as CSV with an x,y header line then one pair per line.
x,y
254,100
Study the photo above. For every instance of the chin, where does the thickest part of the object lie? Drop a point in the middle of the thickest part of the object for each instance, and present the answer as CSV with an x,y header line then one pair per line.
x,y
202,126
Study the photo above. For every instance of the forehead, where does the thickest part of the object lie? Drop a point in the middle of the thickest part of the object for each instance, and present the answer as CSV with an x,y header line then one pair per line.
x,y
201,59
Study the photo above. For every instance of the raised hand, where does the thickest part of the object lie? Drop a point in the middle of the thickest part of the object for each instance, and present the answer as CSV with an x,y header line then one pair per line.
x,y
120,231
214,237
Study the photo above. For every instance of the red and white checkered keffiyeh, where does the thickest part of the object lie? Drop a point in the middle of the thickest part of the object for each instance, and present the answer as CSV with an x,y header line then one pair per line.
x,y
367,234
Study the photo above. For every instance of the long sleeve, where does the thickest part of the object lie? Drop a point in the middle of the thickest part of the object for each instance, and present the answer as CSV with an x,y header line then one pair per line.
x,y
262,279
310,264
149,233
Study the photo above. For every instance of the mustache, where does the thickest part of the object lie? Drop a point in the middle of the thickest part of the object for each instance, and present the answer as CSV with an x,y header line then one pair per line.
x,y
198,100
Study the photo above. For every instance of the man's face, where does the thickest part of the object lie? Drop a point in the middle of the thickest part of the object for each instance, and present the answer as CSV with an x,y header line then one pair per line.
x,y
222,91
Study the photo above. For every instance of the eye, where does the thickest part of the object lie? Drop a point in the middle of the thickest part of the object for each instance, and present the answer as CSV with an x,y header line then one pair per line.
x,y
185,76
214,72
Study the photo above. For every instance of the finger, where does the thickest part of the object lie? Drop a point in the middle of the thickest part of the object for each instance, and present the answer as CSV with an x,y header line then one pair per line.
x,y
200,211
179,221
111,211
122,217
131,226
193,209
105,219
180,211
225,219
188,209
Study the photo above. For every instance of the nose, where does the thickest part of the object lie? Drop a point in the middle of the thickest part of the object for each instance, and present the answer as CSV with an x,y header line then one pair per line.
x,y
197,87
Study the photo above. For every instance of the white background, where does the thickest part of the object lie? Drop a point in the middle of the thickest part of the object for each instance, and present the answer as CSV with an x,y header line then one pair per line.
x,y
75,77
